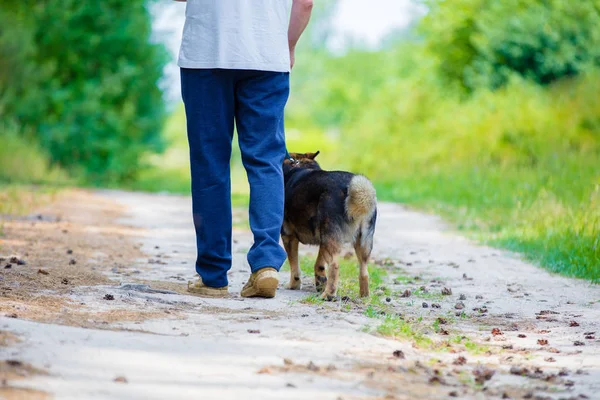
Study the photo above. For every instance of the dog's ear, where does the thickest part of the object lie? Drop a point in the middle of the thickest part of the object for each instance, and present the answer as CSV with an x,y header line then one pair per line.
x,y
312,156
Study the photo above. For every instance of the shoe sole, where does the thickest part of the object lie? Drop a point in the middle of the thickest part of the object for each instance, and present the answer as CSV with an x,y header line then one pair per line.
x,y
264,286
200,292
208,292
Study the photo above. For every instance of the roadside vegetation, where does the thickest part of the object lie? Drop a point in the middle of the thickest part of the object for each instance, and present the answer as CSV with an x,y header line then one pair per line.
x,y
489,117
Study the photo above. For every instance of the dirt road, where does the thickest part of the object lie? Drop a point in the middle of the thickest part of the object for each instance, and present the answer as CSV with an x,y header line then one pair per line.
x,y
97,309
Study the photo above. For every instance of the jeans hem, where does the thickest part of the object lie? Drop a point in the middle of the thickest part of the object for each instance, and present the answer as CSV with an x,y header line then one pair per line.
x,y
256,269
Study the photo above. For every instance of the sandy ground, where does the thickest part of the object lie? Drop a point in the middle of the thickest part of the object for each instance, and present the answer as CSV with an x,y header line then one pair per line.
x,y
122,326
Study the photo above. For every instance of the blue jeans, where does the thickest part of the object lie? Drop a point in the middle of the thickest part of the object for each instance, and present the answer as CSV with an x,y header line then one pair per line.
x,y
255,100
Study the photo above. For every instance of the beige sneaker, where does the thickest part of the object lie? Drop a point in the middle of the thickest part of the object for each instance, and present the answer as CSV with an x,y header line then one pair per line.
x,y
199,288
262,283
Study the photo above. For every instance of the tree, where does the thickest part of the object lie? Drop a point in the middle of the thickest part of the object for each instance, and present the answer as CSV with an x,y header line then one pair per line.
x,y
480,43
90,95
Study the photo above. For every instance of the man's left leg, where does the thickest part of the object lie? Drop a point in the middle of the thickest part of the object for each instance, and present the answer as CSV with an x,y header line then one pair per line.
x,y
260,99
208,95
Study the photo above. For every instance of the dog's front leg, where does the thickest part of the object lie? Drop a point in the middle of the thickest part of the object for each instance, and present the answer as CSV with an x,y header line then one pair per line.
x,y
291,247
328,253
323,258
332,281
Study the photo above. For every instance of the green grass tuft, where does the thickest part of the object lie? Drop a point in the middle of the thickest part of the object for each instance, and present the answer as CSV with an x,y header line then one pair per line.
x,y
429,294
398,328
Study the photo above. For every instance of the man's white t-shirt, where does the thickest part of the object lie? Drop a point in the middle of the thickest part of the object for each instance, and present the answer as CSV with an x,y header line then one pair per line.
x,y
236,34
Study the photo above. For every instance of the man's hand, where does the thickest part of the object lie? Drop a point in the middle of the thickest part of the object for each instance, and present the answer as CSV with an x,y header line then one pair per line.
x,y
301,10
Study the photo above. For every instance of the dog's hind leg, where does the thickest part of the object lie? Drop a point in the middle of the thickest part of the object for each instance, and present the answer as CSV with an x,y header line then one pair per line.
x,y
362,254
291,247
363,245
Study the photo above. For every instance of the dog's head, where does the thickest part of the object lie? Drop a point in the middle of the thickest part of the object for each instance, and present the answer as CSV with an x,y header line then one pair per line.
x,y
301,161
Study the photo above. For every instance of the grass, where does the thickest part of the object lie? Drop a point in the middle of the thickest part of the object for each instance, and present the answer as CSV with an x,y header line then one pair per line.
x,y
396,327
348,281
560,234
466,378
23,161
20,200
428,294
313,299
469,345
27,180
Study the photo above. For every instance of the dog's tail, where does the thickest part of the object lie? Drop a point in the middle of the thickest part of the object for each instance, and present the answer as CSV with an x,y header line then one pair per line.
x,y
361,202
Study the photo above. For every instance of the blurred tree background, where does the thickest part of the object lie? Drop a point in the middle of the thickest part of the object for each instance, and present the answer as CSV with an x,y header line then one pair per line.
x,y
487,113
78,86
484,111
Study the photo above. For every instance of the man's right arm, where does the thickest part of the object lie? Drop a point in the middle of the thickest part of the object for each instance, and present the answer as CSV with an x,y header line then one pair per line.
x,y
301,10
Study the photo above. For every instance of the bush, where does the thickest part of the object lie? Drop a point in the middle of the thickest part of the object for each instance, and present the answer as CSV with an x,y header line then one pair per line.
x,y
480,43
24,161
90,95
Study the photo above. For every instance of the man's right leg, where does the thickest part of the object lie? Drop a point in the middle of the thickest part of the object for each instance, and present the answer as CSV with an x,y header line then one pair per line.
x,y
260,100
208,96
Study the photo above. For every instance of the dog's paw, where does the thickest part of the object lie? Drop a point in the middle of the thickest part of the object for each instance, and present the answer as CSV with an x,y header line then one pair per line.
x,y
329,297
294,285
320,283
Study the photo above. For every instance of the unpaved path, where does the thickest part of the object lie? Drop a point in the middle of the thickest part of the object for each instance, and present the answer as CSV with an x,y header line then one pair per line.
x,y
155,345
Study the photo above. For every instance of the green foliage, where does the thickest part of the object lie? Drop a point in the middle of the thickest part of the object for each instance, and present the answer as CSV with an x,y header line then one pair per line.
x,y
515,163
82,78
331,91
24,161
16,45
481,43
517,166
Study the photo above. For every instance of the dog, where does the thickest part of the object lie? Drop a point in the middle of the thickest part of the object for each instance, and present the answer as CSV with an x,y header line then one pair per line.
x,y
327,209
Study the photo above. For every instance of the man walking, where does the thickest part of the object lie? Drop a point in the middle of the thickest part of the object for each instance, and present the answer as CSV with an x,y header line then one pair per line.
x,y
235,60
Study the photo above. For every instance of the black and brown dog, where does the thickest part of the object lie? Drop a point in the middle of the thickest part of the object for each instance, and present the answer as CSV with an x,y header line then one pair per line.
x,y
328,209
